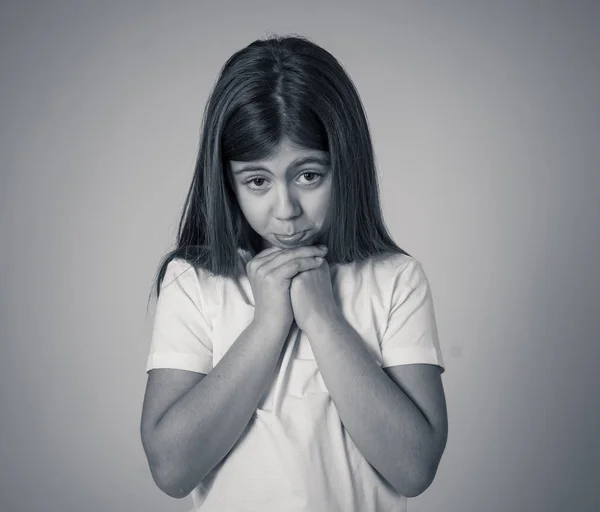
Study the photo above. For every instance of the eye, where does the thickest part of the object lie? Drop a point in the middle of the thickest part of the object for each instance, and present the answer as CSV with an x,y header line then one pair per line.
x,y
253,180
316,176
256,183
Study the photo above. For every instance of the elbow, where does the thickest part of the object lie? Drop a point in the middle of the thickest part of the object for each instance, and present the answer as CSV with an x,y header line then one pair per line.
x,y
417,482
422,479
415,489
166,475
172,484
175,492
413,486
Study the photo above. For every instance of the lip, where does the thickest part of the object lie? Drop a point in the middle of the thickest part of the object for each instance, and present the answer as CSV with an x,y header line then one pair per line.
x,y
289,239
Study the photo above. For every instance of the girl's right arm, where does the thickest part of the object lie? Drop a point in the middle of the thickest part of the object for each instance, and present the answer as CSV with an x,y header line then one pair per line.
x,y
190,421
205,421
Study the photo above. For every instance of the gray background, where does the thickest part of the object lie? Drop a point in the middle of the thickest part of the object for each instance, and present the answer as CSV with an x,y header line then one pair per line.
x,y
485,118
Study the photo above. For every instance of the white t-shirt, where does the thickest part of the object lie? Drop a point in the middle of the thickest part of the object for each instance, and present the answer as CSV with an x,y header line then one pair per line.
x,y
295,455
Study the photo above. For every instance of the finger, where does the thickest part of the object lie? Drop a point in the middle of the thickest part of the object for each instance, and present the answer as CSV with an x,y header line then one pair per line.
x,y
263,256
279,257
270,253
293,267
267,252
306,251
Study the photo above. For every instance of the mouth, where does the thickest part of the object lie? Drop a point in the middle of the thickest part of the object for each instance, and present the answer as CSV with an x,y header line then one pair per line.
x,y
290,239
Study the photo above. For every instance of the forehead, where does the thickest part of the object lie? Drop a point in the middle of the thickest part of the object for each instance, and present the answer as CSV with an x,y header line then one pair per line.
x,y
287,154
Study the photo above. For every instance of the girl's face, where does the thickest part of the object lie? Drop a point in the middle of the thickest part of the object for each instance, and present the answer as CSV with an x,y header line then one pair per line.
x,y
286,194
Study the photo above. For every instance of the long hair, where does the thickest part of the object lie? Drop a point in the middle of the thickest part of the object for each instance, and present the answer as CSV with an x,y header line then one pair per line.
x,y
274,89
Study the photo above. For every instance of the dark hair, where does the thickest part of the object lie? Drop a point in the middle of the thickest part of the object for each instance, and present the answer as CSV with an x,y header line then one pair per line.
x,y
277,88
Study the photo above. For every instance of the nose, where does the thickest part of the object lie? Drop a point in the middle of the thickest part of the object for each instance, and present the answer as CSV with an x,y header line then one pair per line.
x,y
287,206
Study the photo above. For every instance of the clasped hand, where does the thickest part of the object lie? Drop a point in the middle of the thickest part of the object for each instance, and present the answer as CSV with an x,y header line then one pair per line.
x,y
311,295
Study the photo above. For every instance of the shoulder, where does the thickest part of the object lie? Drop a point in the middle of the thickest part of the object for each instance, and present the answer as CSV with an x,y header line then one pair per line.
x,y
395,275
398,265
196,281
180,270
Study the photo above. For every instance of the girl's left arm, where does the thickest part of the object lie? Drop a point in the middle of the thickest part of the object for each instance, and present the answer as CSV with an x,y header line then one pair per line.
x,y
396,416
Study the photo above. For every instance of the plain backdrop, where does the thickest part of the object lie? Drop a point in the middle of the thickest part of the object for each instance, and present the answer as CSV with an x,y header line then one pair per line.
x,y
485,119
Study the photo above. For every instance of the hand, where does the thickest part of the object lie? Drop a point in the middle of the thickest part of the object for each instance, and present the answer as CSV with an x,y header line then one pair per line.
x,y
312,295
270,273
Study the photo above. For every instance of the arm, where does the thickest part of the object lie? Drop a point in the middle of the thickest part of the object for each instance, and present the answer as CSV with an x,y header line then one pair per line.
x,y
185,440
401,432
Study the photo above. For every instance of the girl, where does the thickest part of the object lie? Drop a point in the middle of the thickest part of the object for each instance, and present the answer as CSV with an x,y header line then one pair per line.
x,y
294,362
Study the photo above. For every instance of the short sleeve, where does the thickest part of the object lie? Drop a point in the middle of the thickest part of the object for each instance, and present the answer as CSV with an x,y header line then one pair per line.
x,y
411,335
181,332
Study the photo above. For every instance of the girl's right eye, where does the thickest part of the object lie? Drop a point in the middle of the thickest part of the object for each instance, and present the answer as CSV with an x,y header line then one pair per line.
x,y
252,180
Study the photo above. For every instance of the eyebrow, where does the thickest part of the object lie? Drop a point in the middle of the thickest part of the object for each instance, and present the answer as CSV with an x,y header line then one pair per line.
x,y
296,163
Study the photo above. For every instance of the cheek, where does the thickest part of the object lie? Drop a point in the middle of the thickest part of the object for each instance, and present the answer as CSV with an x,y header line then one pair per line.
x,y
320,201
252,208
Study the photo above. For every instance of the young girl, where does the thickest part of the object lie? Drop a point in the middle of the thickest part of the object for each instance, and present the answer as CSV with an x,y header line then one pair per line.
x,y
295,362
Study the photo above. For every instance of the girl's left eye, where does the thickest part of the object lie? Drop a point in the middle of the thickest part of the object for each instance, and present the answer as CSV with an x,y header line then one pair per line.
x,y
312,173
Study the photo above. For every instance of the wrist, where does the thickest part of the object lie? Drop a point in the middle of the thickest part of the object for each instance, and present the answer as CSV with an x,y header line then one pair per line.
x,y
323,320
271,327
